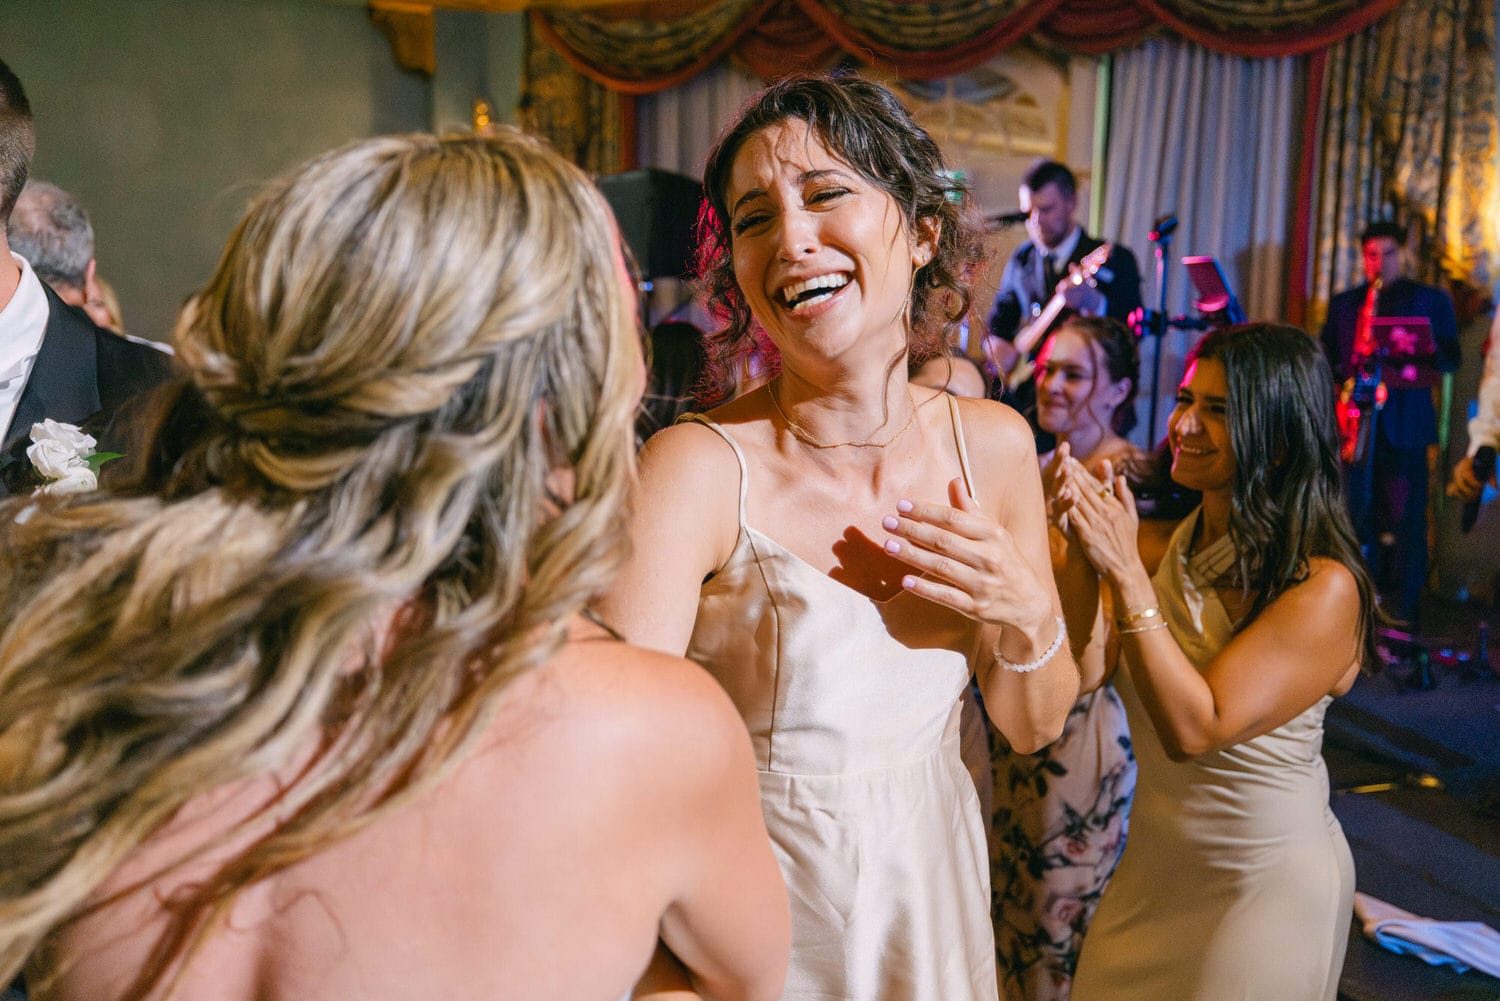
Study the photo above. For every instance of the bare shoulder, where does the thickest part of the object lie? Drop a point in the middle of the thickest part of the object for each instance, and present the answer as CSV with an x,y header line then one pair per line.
x,y
685,524
989,424
1002,453
688,453
1329,585
1322,607
656,703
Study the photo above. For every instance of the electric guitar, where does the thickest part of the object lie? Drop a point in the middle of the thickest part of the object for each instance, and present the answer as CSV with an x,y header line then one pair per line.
x,y
1030,335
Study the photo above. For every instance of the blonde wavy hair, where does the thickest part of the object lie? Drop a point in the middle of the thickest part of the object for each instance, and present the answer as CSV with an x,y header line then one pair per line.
x,y
405,341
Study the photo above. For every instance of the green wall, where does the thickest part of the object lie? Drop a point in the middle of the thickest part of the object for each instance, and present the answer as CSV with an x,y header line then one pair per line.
x,y
164,116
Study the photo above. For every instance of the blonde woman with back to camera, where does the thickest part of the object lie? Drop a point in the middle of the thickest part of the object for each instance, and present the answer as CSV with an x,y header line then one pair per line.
x,y
315,710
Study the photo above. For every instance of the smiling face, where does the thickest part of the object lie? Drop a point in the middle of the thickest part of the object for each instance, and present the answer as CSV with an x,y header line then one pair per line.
x,y
1073,388
1198,429
822,255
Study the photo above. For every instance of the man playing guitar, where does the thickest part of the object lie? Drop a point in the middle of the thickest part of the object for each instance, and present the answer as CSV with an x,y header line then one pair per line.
x,y
1046,277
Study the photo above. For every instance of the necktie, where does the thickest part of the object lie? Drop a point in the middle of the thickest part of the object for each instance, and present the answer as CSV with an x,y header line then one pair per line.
x,y
1051,275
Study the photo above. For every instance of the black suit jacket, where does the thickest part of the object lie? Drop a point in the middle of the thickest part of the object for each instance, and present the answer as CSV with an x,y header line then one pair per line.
x,y
1408,420
1021,285
80,371
1021,289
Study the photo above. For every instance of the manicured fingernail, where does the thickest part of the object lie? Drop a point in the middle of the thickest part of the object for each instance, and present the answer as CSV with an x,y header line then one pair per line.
x,y
908,582
892,546
890,523
903,506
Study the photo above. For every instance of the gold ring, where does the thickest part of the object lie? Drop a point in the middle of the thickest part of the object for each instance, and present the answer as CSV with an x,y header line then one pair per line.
x,y
1106,492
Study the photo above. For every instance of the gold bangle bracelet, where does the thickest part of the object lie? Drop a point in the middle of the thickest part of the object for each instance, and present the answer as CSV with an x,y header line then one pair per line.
x,y
1144,629
1145,613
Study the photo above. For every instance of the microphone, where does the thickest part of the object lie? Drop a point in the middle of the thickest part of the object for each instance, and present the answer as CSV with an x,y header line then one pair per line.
x,y
1163,227
1007,218
1483,464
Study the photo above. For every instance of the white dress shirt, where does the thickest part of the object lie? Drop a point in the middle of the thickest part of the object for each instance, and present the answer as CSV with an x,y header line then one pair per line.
x,y
23,321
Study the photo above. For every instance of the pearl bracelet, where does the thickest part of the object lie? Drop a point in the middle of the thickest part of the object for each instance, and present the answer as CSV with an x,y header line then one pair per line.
x,y
1032,665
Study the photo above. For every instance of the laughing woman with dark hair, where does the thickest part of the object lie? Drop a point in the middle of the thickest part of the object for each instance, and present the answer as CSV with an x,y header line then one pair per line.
x,y
1237,880
824,548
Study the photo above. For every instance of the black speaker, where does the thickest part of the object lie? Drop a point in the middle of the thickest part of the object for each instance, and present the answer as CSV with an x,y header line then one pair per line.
x,y
656,210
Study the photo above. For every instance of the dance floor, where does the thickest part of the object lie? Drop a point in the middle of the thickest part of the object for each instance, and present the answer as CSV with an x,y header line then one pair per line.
x,y
1416,777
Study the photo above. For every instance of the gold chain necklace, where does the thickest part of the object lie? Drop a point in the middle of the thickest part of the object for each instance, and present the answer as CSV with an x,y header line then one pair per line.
x,y
803,435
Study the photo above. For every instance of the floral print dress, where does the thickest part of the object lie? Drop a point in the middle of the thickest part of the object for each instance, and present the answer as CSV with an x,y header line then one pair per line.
x,y
1058,831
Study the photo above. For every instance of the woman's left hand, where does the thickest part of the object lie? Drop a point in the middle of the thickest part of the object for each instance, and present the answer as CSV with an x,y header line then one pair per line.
x,y
1102,516
969,561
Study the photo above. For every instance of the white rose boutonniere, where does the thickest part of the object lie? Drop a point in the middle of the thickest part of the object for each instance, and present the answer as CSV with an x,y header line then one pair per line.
x,y
65,458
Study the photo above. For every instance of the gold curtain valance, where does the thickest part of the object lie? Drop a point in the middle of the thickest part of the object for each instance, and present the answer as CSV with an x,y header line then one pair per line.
x,y
638,48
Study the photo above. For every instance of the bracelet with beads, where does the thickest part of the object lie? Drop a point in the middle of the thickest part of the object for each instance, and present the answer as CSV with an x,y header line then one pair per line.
x,y
1032,665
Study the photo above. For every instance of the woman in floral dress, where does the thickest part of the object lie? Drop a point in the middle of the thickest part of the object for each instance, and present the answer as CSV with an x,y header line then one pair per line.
x,y
1060,814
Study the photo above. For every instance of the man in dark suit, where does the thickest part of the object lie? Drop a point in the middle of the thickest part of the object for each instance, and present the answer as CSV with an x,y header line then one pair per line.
x,y
1389,506
1039,267
54,362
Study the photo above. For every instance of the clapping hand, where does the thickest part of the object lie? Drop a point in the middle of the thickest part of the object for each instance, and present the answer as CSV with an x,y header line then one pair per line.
x,y
1101,515
968,561
1052,483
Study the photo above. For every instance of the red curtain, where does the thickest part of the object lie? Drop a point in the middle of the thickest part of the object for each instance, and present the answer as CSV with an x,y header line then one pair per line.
x,y
643,48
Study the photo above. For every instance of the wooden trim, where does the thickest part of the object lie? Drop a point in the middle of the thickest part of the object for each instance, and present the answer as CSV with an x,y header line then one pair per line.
x,y
411,30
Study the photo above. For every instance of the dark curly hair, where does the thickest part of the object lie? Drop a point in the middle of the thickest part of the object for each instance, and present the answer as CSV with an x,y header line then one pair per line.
x,y
1288,484
864,125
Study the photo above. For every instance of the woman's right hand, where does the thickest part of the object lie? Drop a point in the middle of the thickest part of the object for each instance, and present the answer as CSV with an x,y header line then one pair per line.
x,y
1052,481
1102,516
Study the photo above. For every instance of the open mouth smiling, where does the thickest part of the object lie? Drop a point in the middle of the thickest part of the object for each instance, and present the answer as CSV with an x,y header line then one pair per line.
x,y
810,291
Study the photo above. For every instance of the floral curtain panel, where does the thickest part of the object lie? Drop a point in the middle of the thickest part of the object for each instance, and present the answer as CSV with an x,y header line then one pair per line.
x,y
643,48
592,126
1407,130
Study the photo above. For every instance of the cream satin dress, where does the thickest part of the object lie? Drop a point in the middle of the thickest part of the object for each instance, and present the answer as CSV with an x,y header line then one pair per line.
x,y
872,815
1237,883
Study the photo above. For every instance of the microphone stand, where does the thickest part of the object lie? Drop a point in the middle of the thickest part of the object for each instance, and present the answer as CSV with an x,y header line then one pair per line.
x,y
1161,236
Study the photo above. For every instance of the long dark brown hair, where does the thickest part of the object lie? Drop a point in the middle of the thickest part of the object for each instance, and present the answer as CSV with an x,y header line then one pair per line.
x,y
1288,485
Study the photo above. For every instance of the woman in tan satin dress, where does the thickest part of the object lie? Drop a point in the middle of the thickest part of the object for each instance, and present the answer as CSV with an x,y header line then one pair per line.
x,y
823,546
1236,884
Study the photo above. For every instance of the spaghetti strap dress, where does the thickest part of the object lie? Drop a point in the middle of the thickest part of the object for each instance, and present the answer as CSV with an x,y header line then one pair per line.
x,y
1236,883
872,815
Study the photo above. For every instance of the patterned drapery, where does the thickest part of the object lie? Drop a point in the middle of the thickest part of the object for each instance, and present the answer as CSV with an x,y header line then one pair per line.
x,y
1408,131
583,121
1202,136
642,48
